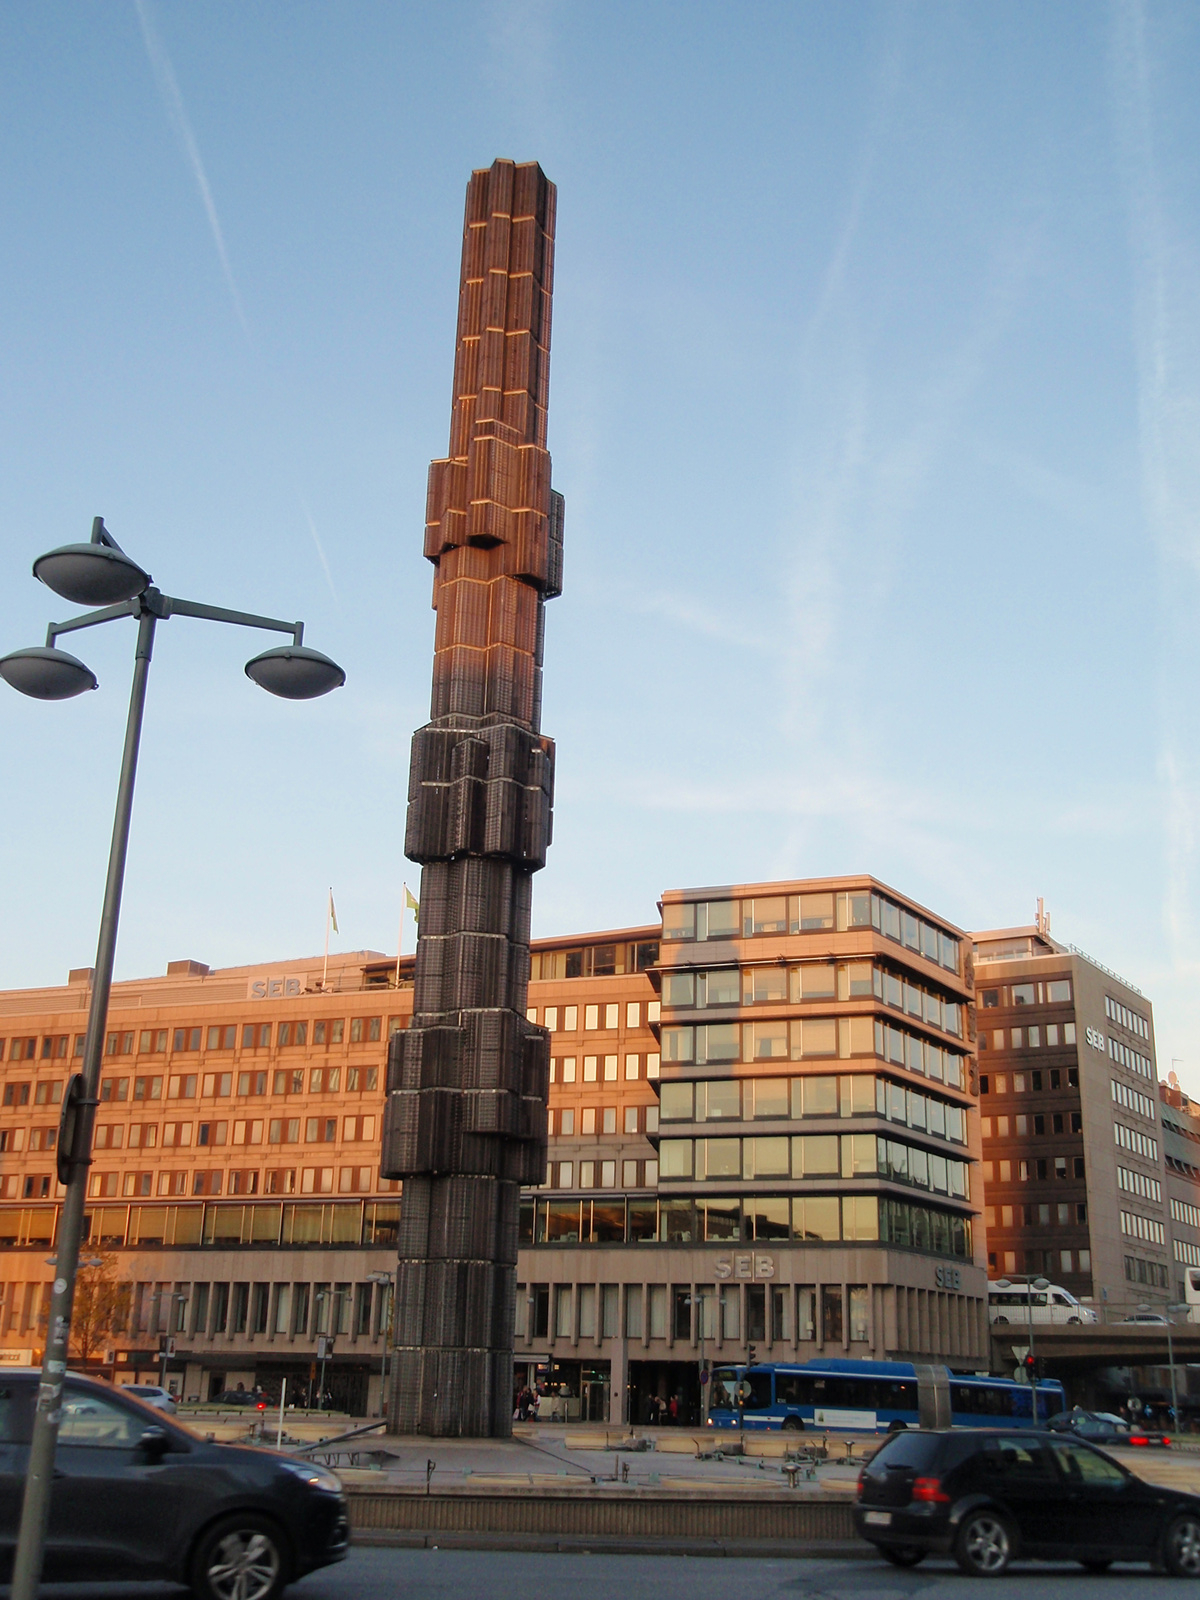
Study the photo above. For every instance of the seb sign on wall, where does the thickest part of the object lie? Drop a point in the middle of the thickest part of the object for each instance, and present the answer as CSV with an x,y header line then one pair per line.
x,y
744,1265
274,988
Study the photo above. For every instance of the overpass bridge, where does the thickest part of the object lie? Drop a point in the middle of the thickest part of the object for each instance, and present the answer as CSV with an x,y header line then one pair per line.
x,y
1078,1354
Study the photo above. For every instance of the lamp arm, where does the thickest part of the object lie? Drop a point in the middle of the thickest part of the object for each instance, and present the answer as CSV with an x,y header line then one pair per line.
x,y
242,619
92,619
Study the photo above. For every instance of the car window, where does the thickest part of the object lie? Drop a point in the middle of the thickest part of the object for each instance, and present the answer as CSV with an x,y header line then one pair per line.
x,y
907,1449
14,1414
1079,1465
1018,1461
91,1419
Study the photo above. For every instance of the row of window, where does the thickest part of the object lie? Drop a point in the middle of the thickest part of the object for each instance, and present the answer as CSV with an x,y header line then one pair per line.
x,y
1034,1170
814,980
1131,1021
594,961
1024,1124
279,1130
594,1174
1035,1080
1146,1188
589,1120
48,1092
214,1180
1028,1038
1063,1213
1055,992
1132,1100
603,1069
810,913
264,1222
596,1018
1132,1059
1136,1226
653,1310
1187,1254
812,1155
1140,1143
1152,1272
815,1219
859,1095
729,1042
1182,1211
249,1085
1042,1260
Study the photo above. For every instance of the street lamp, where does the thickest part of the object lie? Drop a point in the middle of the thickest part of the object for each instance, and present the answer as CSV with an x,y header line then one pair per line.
x,y
176,1298
99,573
1031,1283
325,1340
384,1279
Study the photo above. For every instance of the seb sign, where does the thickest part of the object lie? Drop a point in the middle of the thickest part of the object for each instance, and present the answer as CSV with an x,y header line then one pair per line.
x,y
948,1277
1095,1038
750,1264
274,988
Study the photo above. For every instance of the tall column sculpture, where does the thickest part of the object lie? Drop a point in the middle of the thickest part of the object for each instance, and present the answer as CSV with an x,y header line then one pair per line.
x,y
465,1120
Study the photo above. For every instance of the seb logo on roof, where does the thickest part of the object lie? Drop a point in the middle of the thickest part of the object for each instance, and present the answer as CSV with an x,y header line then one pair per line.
x,y
274,988
748,1265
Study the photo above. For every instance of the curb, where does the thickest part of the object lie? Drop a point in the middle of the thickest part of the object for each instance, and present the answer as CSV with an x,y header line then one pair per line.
x,y
615,1544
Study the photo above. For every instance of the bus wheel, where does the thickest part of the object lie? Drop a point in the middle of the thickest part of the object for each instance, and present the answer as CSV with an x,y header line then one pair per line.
x,y
897,1425
793,1424
1004,1320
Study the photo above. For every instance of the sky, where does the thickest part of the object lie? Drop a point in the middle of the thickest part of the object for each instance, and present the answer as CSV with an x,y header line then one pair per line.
x,y
875,401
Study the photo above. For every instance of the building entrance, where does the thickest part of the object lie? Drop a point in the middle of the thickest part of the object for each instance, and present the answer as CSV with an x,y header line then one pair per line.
x,y
651,1382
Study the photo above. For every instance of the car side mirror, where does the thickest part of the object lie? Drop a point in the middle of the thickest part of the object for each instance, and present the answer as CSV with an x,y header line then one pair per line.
x,y
154,1443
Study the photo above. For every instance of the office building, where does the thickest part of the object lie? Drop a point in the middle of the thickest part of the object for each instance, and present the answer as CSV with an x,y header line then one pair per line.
x,y
1073,1169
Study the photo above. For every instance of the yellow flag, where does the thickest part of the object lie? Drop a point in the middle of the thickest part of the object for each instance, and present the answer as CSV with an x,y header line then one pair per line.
x,y
411,903
332,914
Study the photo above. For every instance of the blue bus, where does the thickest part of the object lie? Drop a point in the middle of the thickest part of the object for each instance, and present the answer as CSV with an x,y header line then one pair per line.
x,y
872,1397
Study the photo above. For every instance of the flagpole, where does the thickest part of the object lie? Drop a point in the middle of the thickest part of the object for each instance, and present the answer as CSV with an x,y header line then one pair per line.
x,y
325,968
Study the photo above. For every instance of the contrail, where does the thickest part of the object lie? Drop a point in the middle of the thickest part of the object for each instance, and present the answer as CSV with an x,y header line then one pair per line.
x,y
312,528
168,88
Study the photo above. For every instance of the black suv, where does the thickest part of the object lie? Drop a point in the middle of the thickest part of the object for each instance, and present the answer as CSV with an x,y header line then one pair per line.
x,y
989,1497
136,1496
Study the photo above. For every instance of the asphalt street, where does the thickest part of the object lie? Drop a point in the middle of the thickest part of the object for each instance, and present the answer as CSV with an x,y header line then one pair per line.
x,y
377,1574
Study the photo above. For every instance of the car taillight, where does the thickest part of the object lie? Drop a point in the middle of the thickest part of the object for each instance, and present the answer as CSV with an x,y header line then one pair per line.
x,y
862,1478
1138,1438
930,1490
1165,1439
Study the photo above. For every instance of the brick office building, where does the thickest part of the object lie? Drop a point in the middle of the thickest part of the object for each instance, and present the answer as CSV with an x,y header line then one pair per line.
x,y
1073,1166
833,1211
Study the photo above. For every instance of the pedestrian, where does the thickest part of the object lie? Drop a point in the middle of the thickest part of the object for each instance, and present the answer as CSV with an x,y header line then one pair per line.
x,y
673,1408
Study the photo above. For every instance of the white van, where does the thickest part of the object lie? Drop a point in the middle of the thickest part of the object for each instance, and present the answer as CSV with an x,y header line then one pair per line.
x,y
1011,1303
1191,1284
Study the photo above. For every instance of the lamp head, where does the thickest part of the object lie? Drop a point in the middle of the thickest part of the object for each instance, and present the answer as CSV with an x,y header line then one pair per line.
x,y
91,574
46,674
1040,1283
294,672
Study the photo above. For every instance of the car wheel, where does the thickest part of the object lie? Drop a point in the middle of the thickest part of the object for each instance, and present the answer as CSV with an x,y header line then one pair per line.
x,y
240,1558
1181,1547
902,1555
1095,1564
793,1424
983,1548
1073,1319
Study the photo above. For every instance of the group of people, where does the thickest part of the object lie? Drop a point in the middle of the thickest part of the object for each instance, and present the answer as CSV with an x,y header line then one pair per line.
x,y
526,1409
664,1413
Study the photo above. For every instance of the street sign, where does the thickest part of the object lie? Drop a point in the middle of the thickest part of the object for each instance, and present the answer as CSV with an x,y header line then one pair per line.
x,y
704,1375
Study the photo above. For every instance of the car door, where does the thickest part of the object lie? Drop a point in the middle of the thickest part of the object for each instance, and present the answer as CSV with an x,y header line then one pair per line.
x,y
113,1508
1017,1472
16,1422
1113,1512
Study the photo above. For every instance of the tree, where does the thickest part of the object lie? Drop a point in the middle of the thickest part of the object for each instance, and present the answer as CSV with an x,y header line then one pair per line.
x,y
98,1298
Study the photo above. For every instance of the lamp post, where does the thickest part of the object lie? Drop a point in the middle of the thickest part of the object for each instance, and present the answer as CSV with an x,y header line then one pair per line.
x,y
325,1340
1031,1283
99,573
176,1298
383,1279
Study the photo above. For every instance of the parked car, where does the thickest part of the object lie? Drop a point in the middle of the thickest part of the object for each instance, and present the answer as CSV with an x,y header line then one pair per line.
x,y
1154,1317
1105,1427
240,1397
989,1497
138,1497
151,1395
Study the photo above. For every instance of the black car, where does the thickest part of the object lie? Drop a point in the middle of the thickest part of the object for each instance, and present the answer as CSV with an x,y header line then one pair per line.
x,y
989,1497
136,1496
1103,1427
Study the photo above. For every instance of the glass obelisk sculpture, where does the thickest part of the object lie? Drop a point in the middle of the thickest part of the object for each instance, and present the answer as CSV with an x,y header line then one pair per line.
x,y
465,1119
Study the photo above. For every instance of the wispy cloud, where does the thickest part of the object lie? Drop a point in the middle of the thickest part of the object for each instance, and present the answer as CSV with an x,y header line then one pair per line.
x,y
316,539
168,88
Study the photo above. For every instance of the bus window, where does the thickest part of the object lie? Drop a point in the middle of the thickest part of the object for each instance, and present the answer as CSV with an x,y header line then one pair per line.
x,y
760,1392
894,1396
793,1389
724,1389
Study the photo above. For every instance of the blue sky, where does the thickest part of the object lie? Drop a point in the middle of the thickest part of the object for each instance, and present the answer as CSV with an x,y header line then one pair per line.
x,y
875,402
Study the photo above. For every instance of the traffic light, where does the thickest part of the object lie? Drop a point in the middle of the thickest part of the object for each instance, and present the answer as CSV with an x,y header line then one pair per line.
x,y
751,1355
1029,1362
